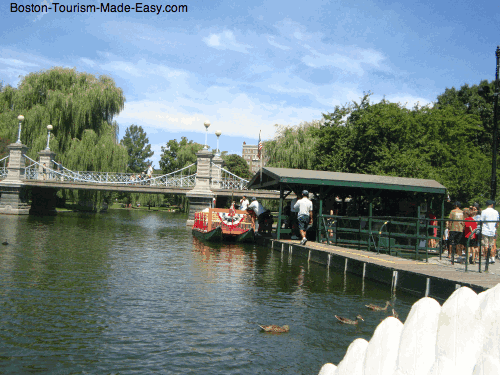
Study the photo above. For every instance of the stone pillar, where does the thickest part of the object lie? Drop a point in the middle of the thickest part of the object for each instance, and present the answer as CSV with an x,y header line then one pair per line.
x,y
17,162
13,199
216,172
201,196
46,157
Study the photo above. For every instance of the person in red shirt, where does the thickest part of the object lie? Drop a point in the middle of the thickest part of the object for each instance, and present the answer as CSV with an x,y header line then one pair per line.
x,y
470,226
433,231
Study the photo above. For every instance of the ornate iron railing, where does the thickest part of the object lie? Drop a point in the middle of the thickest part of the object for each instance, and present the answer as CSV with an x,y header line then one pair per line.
x,y
3,167
228,180
60,173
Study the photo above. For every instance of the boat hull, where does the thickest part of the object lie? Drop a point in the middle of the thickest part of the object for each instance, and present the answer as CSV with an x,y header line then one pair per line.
x,y
214,235
248,236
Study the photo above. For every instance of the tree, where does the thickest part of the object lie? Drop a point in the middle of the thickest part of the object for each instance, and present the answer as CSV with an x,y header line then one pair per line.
x,y
474,100
292,145
3,147
439,143
176,155
74,103
237,165
138,148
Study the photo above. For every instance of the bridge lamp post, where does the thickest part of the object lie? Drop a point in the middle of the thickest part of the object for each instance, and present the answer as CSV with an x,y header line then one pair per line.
x,y
207,124
49,128
218,133
21,119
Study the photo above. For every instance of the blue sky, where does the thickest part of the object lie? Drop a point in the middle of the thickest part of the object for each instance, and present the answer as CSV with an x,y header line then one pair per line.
x,y
247,65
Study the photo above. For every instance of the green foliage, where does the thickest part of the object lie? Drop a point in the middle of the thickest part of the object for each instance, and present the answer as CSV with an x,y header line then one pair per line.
x,y
176,155
72,102
3,147
138,148
292,146
237,165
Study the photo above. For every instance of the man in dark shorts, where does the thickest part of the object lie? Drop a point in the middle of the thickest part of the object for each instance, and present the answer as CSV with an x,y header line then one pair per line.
x,y
456,228
305,214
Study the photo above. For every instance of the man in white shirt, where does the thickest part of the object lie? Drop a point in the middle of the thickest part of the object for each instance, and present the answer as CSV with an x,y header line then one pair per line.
x,y
259,209
244,203
305,214
489,230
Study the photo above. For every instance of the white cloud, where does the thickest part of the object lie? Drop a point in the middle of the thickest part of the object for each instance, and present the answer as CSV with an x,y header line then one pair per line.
x,y
123,68
271,41
352,60
16,63
225,40
87,61
237,115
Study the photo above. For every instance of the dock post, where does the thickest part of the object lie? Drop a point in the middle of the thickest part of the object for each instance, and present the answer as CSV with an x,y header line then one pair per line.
x,y
394,282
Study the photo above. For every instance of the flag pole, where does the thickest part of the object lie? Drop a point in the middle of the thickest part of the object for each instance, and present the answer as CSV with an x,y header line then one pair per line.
x,y
261,158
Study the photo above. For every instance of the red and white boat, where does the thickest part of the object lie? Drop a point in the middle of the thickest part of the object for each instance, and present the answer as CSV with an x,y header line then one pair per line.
x,y
224,224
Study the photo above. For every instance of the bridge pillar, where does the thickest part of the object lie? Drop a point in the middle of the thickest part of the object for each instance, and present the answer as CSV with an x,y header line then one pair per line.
x,y
216,172
201,196
47,158
13,200
43,200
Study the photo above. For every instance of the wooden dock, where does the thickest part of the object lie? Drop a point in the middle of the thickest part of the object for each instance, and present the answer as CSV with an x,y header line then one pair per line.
x,y
437,279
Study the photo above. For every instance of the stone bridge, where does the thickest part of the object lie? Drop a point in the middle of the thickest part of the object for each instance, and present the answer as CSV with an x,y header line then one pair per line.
x,y
201,182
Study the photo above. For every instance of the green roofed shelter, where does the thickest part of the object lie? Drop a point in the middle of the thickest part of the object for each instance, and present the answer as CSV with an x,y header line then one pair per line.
x,y
391,191
275,178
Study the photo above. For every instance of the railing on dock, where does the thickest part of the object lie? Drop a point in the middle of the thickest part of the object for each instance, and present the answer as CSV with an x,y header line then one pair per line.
x,y
407,237
399,236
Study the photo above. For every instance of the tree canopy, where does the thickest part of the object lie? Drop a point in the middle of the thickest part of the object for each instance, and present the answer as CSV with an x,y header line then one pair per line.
x,y
292,146
138,148
237,165
80,106
176,155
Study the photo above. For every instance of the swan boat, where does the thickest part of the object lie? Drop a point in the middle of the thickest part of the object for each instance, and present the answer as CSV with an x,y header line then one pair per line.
x,y
224,224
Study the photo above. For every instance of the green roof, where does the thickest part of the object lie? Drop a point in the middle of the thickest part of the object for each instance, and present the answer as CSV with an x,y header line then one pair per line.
x,y
272,178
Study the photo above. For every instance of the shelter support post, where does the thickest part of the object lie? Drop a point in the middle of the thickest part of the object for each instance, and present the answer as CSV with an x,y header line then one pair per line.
x,y
280,212
320,212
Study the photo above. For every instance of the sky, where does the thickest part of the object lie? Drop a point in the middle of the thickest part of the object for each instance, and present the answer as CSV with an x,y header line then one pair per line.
x,y
248,65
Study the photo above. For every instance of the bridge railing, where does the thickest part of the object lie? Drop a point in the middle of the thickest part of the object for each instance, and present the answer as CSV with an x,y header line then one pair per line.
x,y
173,179
3,167
228,180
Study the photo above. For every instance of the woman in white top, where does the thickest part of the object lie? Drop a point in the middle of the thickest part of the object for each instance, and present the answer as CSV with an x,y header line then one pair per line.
x,y
244,203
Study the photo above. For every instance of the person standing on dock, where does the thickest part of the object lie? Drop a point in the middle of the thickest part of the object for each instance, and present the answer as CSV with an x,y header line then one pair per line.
x,y
305,214
456,228
489,230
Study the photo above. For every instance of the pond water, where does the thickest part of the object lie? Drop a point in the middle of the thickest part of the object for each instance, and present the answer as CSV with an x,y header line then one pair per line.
x,y
131,292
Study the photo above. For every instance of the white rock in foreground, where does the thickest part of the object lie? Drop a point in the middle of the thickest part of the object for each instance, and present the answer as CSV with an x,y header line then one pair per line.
x,y
417,347
354,359
328,369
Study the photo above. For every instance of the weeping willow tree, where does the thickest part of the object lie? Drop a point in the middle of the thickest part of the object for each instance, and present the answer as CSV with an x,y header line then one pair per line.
x,y
291,146
80,107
